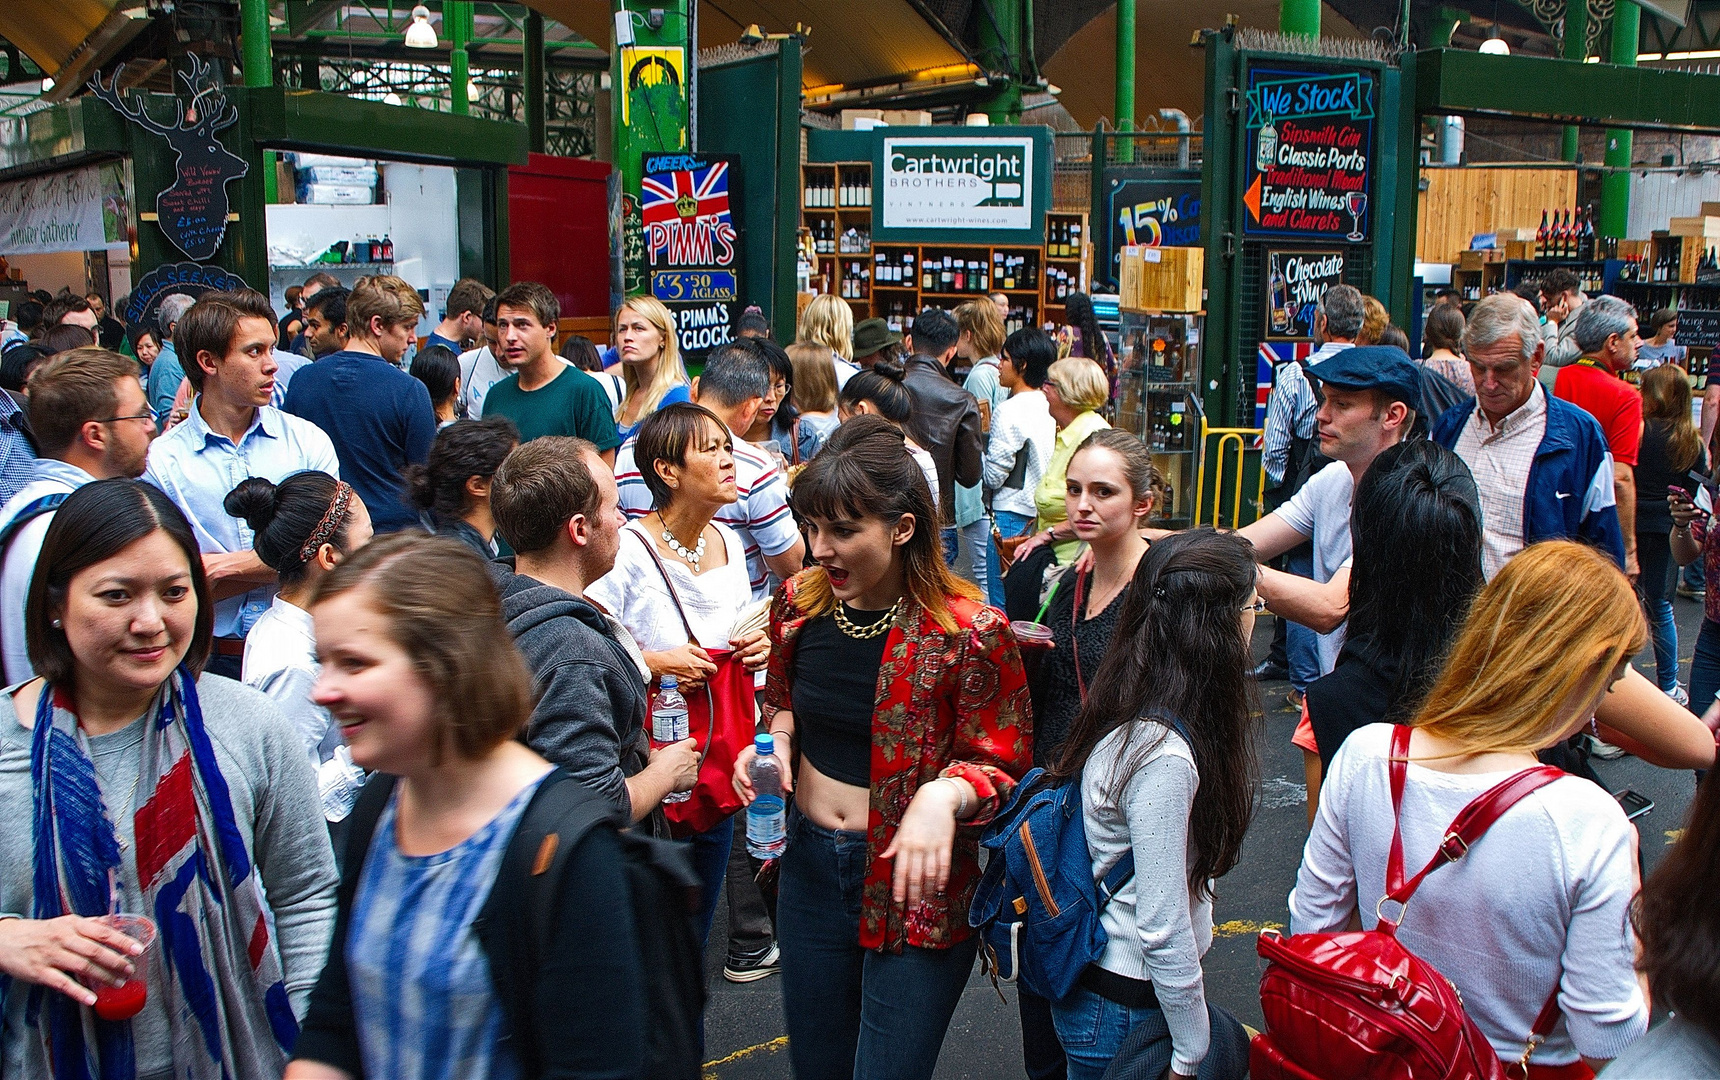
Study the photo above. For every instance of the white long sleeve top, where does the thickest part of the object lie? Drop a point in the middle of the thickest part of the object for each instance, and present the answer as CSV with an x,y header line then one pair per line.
x,y
1023,420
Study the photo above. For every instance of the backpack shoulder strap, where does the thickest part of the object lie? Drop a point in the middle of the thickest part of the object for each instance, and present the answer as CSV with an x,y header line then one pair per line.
x,y
361,827
47,504
554,822
1470,824
1120,874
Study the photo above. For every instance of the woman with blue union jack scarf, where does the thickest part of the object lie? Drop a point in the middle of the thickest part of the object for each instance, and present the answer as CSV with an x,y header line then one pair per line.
x,y
133,783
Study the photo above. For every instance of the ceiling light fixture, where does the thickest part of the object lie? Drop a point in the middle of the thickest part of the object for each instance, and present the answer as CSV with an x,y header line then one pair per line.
x,y
1495,45
420,35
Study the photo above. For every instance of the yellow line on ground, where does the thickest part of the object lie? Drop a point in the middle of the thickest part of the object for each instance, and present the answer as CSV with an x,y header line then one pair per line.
x,y
1238,927
770,1047
1674,835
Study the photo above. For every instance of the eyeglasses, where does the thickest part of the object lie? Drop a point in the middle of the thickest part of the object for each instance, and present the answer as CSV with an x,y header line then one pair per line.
x,y
1258,606
117,419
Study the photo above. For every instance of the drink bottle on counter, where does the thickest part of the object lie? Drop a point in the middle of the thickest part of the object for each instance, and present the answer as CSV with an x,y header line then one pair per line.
x,y
767,831
669,723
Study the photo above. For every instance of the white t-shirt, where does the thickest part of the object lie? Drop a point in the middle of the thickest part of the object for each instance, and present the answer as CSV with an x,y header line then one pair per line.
x,y
634,592
1321,510
1542,900
478,372
929,466
53,477
281,661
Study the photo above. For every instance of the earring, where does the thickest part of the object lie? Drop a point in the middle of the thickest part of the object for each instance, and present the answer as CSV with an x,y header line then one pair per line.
x,y
57,624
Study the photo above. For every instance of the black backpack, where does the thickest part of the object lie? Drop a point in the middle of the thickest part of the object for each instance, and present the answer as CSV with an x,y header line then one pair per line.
x,y
663,891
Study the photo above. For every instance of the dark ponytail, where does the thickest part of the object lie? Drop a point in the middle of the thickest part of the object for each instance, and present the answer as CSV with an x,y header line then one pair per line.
x,y
283,516
881,384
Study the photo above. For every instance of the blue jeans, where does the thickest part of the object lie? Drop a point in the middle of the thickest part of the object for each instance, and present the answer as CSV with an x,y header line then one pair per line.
x,y
1009,524
1093,1029
1705,668
952,546
711,860
853,1012
977,535
1665,633
1301,645
1692,575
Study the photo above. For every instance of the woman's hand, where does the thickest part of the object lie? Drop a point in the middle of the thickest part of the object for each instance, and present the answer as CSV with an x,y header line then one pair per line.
x,y
1037,540
743,780
690,665
1682,509
55,953
923,843
753,651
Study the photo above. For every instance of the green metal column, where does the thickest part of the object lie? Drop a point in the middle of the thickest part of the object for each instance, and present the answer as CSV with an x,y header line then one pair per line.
x,y
1125,104
1615,189
457,21
1299,17
1575,47
649,96
1001,51
254,42
534,75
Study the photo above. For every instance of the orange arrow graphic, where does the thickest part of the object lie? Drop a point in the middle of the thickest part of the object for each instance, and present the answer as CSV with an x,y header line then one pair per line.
x,y
1251,199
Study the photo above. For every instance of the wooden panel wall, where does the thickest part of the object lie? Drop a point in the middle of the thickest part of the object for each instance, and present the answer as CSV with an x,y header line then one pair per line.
x,y
1460,202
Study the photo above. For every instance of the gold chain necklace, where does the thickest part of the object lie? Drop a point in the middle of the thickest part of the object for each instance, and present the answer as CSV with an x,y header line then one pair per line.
x,y
863,633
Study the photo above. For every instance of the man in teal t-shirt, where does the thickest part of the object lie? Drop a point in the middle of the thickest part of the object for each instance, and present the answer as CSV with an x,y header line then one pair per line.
x,y
546,395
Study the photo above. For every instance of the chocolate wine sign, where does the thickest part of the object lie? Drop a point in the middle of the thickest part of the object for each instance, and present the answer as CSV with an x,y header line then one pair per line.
x,y
1310,151
193,211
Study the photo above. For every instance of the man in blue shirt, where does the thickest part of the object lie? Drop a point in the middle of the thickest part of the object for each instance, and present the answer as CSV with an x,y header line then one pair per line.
x,y
231,433
167,371
379,417
462,317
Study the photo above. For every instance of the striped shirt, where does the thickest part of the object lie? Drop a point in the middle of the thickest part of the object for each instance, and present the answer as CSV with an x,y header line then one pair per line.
x,y
1500,459
760,515
422,996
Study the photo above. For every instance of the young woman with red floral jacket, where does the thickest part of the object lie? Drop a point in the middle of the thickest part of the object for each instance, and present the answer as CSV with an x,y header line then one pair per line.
x,y
901,698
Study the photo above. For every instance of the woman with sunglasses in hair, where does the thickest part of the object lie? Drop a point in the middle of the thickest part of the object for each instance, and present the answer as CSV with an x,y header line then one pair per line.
x,y
901,697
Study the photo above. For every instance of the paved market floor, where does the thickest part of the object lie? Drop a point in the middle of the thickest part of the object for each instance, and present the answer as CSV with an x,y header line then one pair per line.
x,y
744,1023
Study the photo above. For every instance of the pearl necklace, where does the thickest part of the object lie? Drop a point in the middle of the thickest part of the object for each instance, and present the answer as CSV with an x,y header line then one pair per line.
x,y
690,556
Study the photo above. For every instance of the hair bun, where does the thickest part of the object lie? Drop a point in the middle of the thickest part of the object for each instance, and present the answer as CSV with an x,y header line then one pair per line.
x,y
254,501
890,369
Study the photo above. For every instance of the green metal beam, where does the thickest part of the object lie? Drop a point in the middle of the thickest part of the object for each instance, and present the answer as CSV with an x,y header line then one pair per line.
x,y
1445,22
1615,188
313,120
1126,46
254,42
456,20
1299,17
532,54
1574,47
1000,50
1565,91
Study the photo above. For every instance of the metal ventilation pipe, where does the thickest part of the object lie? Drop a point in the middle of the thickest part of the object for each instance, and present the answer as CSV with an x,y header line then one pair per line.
x,y
1451,140
1180,118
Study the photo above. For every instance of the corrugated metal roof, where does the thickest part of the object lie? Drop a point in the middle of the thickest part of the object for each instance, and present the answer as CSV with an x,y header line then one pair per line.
x,y
49,32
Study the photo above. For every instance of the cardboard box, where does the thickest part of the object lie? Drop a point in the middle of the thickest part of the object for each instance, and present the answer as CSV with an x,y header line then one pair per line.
x,y
1507,235
851,115
907,117
1695,226
1162,278
1711,209
1475,260
1521,249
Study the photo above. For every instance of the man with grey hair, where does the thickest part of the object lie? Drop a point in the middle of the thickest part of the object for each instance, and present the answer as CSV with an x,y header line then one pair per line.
x,y
1605,334
1291,455
167,373
1540,464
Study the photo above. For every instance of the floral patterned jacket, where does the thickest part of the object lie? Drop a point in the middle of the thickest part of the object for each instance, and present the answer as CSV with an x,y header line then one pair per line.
x,y
948,705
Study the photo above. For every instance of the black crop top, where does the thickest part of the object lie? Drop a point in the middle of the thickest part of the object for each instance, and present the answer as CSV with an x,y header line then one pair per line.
x,y
835,691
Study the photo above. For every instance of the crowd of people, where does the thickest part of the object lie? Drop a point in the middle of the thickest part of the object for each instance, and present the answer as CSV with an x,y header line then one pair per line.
x,y
390,624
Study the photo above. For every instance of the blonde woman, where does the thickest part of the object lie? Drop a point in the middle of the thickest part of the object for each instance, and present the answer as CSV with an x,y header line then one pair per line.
x,y
1374,321
814,397
1075,390
1541,904
652,373
829,321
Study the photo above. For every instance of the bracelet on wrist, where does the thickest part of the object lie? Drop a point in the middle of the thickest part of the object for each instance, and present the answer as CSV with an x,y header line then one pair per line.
x,y
961,795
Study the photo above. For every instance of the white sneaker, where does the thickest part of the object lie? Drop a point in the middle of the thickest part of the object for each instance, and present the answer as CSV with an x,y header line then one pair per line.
x,y
1679,694
1606,751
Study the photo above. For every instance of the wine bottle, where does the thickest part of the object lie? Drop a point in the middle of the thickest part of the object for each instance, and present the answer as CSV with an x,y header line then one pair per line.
x,y
1541,237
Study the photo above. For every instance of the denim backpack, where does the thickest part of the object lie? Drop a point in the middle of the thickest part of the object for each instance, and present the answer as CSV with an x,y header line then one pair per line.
x,y
1037,906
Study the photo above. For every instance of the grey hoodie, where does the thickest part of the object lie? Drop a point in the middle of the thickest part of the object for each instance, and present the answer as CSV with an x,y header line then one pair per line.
x,y
590,714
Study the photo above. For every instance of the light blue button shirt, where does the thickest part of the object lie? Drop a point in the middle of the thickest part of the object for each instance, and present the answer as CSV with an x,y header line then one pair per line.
x,y
197,467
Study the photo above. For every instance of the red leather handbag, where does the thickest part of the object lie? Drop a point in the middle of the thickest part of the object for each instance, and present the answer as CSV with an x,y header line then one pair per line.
x,y
1357,1005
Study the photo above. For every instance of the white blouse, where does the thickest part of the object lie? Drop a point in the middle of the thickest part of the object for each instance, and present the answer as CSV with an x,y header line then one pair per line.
x,y
635,593
281,661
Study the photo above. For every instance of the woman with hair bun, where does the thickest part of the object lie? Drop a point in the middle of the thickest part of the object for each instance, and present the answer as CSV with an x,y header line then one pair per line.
x,y
878,390
452,488
304,527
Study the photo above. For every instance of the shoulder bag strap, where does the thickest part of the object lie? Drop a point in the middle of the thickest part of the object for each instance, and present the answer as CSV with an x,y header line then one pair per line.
x,y
1470,824
794,437
692,639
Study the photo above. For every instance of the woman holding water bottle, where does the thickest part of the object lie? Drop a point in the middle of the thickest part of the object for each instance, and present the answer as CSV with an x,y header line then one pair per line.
x,y
901,697
139,785
680,586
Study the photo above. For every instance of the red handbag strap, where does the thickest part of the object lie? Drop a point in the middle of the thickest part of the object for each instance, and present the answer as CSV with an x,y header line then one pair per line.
x,y
1470,824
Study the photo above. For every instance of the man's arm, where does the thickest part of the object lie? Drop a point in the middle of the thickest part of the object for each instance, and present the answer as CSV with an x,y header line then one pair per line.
x,y
1275,452
1624,492
233,572
968,456
786,564
1272,536
1320,607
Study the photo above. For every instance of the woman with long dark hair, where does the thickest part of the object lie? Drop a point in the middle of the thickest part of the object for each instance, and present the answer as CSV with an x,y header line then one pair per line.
x,y
139,784
900,711
1671,450
879,390
1082,336
1166,762
452,488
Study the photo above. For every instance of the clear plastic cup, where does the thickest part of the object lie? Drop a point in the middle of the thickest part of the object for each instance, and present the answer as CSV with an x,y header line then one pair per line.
x,y
1032,635
126,1000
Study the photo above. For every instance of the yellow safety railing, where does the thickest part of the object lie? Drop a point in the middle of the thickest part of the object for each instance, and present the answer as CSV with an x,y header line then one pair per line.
x,y
1230,439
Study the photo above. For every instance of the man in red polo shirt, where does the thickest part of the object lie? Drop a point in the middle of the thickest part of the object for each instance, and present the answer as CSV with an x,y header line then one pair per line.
x,y
1605,331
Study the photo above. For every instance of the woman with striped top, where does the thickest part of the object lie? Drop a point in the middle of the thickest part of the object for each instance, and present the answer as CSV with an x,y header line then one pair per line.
x,y
421,673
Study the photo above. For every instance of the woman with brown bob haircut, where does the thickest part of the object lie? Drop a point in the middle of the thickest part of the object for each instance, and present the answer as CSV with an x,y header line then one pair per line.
x,y
421,673
1538,908
141,785
901,698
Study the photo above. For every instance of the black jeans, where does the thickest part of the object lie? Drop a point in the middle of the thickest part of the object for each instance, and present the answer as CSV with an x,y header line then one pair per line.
x,y
855,1012
750,929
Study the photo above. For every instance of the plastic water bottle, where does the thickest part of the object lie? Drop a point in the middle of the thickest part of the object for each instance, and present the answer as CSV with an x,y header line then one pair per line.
x,y
339,781
767,832
669,724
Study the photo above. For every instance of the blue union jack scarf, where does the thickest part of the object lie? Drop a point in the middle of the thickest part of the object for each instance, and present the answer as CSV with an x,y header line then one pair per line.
x,y
224,996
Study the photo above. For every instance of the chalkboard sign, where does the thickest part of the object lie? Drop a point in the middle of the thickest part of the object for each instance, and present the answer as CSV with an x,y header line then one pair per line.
x,y
1698,329
1295,282
193,210
192,279
1310,149
1151,207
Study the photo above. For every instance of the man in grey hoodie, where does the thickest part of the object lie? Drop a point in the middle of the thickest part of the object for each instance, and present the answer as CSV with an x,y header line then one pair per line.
x,y
555,502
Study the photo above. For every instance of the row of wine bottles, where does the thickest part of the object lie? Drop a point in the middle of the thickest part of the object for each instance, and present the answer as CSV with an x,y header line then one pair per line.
x,y
1570,236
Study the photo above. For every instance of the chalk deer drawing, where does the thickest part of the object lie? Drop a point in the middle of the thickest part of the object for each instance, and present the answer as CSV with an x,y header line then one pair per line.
x,y
193,211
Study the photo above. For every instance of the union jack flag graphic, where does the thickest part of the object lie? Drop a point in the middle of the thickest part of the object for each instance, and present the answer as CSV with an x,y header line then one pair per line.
x,y
686,194
1273,353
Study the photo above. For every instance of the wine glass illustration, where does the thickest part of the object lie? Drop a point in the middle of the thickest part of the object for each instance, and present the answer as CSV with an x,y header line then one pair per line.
x,y
1358,202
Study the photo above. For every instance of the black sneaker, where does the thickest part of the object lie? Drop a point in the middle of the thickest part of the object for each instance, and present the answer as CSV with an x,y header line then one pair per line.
x,y
745,969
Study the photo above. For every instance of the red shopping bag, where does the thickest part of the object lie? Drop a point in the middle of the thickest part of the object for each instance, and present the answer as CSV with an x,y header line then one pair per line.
x,y
720,716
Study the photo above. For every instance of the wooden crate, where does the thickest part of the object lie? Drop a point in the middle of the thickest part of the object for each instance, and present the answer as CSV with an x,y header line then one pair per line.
x,y
1162,278
1461,202
1521,250
1708,227
1475,260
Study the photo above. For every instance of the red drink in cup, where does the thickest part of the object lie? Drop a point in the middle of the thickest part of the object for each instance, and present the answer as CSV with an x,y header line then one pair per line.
x,y
1031,635
126,1000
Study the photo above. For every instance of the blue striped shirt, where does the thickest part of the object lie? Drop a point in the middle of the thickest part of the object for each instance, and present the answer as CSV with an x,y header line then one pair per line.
x,y
425,1006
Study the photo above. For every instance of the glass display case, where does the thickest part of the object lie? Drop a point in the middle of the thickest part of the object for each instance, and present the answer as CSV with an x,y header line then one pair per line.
x,y
1158,368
